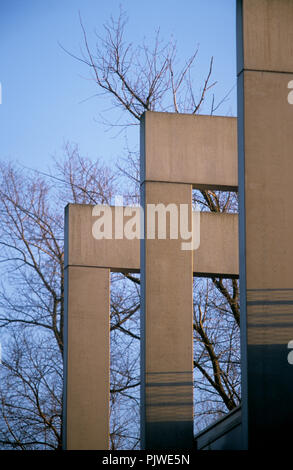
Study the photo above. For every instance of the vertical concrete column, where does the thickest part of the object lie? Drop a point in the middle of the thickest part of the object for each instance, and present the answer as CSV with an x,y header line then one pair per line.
x,y
265,133
166,323
86,354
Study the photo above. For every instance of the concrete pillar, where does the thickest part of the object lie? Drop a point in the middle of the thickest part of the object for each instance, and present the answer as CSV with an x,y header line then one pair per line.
x,y
265,132
86,355
166,329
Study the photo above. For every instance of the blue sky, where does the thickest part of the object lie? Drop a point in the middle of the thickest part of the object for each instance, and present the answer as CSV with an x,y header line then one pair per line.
x,y
46,93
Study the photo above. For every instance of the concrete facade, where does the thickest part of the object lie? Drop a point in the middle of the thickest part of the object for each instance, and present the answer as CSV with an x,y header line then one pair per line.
x,y
265,51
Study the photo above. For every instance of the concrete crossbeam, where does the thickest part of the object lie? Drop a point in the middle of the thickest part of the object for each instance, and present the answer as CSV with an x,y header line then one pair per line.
x,y
183,148
217,253
83,249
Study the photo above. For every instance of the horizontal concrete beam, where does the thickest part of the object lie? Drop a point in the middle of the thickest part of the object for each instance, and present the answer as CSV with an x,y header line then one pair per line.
x,y
84,250
183,148
218,250
217,253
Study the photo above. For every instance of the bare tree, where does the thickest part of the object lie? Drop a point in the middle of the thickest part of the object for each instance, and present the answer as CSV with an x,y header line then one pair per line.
x,y
142,78
31,233
216,353
32,307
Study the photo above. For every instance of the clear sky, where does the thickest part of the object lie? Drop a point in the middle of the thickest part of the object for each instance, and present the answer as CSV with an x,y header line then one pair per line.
x,y
46,93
